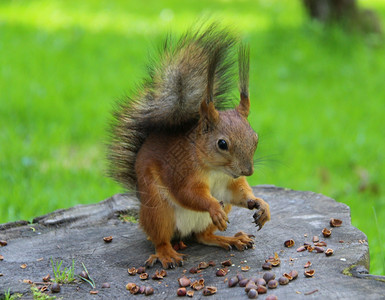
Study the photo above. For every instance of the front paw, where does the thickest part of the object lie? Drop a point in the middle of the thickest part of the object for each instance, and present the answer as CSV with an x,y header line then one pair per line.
x,y
262,215
219,218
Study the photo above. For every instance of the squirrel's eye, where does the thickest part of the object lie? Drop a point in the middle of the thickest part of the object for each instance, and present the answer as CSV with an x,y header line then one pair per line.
x,y
222,144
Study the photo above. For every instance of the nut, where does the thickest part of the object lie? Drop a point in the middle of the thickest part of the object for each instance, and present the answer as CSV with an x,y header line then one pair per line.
x,y
261,289
132,271
83,274
249,286
142,289
309,273
272,284
106,285
283,280
108,239
163,273
184,281
55,288
140,270
267,266
245,268
315,239
233,281
94,292
3,243
227,263
252,294
198,284
271,297
289,243
211,263
243,282
47,278
190,293
301,249
209,290
222,272
320,244
148,291
181,292
143,276
203,265
158,275
260,281
335,222
326,232
307,265
268,276
193,270
293,274
288,276
135,289
319,249
240,276
329,252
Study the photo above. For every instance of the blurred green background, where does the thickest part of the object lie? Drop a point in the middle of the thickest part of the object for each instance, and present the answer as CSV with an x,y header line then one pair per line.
x,y
318,99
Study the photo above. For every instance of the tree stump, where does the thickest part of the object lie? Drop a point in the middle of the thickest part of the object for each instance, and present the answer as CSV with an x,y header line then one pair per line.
x,y
76,234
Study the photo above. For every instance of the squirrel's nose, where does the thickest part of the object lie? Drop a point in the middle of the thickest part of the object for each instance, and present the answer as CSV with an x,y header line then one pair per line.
x,y
248,170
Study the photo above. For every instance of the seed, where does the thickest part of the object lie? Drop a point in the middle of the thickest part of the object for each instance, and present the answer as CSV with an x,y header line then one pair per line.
x,y
245,268
227,263
283,280
106,285
289,243
163,273
320,244
301,249
249,286
275,261
148,291
288,276
94,292
268,276
47,278
335,222
131,271
267,266
55,288
203,265
307,265
272,284
143,276
209,290
198,284
211,263
23,266
293,274
271,297
329,252
240,277
319,249
3,243
184,281
261,289
233,281
141,270
108,239
326,232
243,282
190,293
315,239
181,292
193,270
309,273
222,272
260,281
252,294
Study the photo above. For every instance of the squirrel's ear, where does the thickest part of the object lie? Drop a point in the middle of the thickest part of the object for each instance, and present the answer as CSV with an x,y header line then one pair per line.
x,y
209,115
244,105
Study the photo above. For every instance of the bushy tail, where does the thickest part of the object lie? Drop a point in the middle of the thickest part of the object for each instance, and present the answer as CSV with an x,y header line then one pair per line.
x,y
170,98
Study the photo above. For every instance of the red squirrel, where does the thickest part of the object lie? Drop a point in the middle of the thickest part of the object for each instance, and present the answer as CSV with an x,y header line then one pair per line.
x,y
185,153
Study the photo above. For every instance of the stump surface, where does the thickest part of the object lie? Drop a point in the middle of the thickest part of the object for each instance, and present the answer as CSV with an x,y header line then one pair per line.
x,y
77,234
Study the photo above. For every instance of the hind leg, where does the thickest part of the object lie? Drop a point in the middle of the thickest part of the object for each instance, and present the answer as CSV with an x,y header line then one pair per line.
x,y
240,240
157,220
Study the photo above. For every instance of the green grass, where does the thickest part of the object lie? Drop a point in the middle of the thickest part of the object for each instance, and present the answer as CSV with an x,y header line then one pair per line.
x,y
63,276
318,100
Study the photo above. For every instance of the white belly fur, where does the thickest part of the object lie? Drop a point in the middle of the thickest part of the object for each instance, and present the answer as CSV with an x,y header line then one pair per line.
x,y
188,221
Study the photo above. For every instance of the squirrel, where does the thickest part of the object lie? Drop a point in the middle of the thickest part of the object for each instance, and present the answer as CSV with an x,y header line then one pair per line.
x,y
183,150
